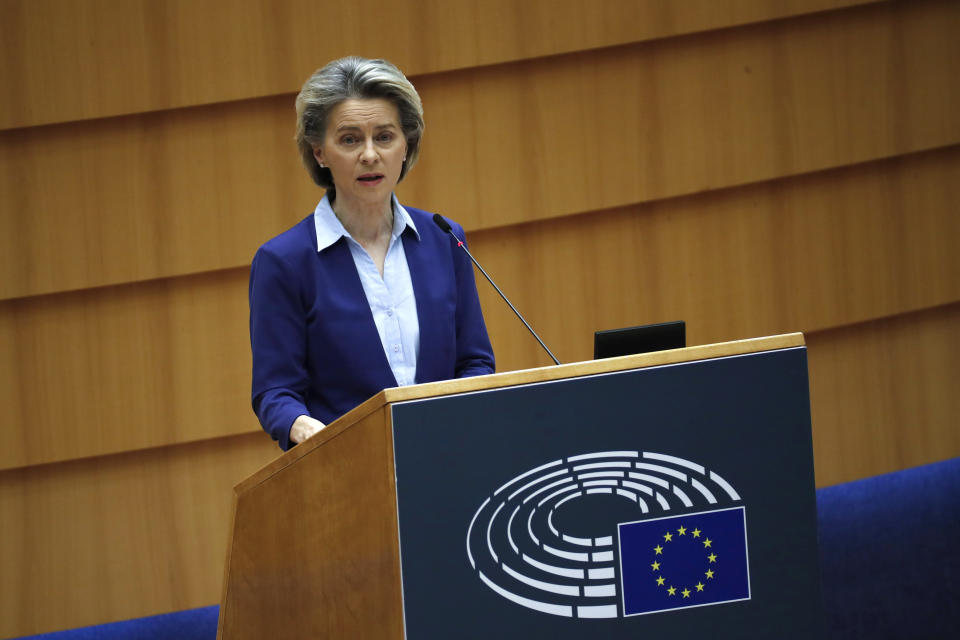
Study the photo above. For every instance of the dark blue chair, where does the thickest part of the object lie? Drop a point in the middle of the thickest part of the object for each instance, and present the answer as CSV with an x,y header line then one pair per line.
x,y
192,624
890,554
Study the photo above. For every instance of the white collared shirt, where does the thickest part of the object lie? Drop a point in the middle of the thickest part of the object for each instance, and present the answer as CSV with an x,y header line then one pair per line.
x,y
390,297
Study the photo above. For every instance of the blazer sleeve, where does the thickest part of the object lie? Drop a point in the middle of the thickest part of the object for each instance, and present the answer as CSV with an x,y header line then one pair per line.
x,y
474,352
278,343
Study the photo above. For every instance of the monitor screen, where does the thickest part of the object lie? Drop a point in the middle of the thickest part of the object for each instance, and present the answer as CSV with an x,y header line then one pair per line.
x,y
642,339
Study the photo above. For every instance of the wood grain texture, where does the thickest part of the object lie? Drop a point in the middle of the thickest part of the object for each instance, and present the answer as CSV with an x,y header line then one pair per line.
x,y
118,537
124,56
319,538
809,253
178,192
122,368
884,394
142,197
638,123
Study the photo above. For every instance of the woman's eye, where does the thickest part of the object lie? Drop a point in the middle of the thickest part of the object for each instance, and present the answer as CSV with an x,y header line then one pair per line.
x,y
348,139
385,137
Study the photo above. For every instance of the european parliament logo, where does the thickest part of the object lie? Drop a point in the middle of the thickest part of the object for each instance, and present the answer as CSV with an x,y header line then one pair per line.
x,y
665,533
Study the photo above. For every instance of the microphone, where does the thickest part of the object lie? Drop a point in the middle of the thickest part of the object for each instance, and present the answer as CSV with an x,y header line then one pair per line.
x,y
445,227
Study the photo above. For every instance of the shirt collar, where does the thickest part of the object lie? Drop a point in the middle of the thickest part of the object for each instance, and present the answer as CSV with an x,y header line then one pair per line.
x,y
330,229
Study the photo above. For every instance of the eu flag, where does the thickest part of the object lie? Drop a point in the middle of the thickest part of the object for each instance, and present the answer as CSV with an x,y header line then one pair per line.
x,y
691,560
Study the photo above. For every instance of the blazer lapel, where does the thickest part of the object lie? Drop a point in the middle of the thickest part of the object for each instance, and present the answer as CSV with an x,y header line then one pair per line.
x,y
365,340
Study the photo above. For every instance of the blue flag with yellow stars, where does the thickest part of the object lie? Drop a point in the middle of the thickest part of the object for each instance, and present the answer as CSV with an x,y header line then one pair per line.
x,y
684,561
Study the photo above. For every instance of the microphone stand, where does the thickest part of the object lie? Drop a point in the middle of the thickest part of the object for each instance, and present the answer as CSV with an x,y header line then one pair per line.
x,y
445,226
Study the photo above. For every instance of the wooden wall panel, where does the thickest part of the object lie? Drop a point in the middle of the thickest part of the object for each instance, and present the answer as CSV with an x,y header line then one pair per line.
x,y
633,124
118,537
884,394
136,198
808,253
114,57
802,254
184,191
125,368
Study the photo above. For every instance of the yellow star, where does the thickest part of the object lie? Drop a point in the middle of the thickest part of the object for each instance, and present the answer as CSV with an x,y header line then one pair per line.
x,y
712,557
696,533
707,542
660,581
686,593
668,537
656,566
682,530
658,549
709,574
672,591
699,586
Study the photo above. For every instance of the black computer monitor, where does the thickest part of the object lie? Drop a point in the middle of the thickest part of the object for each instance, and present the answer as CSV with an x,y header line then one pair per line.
x,y
651,337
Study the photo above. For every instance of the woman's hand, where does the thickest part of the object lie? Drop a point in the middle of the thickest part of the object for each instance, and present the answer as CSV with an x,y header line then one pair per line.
x,y
304,427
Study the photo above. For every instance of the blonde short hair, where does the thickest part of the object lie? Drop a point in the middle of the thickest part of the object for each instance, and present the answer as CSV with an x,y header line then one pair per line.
x,y
347,78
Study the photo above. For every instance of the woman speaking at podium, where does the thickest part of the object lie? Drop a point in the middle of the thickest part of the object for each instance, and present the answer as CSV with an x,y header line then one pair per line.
x,y
363,294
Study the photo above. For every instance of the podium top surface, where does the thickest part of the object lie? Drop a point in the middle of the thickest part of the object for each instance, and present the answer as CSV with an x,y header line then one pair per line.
x,y
522,377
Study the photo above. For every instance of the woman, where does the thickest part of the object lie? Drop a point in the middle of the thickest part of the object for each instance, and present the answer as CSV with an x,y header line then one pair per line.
x,y
362,294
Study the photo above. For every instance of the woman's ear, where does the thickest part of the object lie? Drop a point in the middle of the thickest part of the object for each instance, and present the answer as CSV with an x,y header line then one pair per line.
x,y
318,154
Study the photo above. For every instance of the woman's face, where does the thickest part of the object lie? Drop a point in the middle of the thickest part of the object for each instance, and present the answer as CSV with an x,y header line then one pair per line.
x,y
364,148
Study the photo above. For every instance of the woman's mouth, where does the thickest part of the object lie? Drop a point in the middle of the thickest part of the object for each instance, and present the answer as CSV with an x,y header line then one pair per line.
x,y
371,178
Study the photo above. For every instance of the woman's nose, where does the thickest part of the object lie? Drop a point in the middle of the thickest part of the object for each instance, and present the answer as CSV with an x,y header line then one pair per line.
x,y
368,153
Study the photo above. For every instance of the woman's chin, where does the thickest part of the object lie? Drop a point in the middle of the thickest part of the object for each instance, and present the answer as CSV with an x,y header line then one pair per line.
x,y
372,191
366,196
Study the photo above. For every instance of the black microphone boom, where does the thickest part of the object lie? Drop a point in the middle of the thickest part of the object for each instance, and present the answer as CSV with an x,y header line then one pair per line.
x,y
445,226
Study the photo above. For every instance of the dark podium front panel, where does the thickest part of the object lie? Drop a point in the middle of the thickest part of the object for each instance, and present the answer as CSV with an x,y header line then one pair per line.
x,y
646,503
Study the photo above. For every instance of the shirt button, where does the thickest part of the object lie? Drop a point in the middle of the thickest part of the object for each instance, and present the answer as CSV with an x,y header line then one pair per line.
x,y
396,348
389,312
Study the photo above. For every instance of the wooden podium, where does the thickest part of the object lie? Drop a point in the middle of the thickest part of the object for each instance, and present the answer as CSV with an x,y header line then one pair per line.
x,y
437,510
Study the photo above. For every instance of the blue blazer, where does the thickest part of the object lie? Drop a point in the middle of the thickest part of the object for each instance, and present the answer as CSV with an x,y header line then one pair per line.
x,y
316,350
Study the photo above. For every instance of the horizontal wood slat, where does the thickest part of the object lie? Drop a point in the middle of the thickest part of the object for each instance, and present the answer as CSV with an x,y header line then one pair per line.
x,y
65,60
633,124
145,196
802,254
124,368
884,395
195,190
118,537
